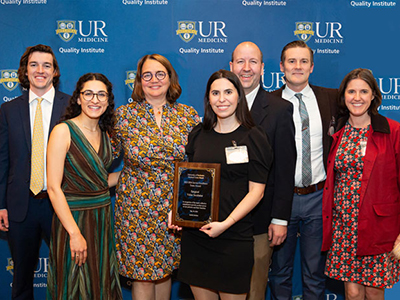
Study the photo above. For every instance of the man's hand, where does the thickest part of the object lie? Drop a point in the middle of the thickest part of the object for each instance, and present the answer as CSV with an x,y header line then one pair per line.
x,y
3,220
277,234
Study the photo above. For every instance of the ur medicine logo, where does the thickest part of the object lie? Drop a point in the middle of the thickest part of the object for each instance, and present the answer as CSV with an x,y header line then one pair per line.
x,y
272,81
9,79
324,33
130,79
186,30
10,266
304,30
66,30
86,31
208,32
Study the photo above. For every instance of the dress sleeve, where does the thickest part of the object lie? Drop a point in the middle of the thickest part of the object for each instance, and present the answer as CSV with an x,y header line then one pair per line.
x,y
116,136
193,118
260,155
190,147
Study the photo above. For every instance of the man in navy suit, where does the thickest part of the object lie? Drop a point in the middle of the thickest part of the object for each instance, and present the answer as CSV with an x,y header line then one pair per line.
x,y
274,115
306,219
24,214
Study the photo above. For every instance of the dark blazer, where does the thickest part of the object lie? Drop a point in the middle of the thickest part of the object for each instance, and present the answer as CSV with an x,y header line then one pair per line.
x,y
275,116
327,104
15,152
379,207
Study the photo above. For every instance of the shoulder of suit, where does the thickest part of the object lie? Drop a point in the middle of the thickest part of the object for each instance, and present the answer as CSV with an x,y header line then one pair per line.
x,y
15,102
323,89
61,95
273,98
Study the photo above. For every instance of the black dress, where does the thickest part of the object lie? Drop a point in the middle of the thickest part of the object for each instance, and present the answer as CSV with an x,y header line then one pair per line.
x,y
225,263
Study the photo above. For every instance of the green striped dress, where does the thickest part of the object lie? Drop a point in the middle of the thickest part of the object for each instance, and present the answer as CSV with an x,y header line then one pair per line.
x,y
86,190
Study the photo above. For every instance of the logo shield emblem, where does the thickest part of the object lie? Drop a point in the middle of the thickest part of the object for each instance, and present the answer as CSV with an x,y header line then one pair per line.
x,y
66,30
130,79
304,30
186,30
10,266
9,79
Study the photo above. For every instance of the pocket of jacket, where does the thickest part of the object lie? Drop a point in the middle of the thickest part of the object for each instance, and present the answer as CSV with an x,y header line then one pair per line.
x,y
387,209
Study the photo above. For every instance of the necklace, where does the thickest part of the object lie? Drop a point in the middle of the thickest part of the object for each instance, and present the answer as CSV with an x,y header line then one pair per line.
x,y
231,128
159,110
91,130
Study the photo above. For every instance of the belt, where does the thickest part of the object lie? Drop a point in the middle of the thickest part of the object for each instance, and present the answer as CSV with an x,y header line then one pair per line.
x,y
309,189
41,195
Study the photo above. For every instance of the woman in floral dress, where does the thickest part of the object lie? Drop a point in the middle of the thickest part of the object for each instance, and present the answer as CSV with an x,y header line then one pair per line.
x,y
152,131
362,199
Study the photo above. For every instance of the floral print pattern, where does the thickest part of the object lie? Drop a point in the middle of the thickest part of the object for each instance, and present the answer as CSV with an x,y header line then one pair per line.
x,y
146,249
342,262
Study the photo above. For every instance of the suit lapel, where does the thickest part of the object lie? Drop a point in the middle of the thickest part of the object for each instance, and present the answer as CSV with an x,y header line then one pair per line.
x,y
58,110
25,119
324,108
259,109
279,92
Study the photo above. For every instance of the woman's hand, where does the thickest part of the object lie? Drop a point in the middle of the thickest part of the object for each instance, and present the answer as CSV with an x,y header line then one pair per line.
x,y
397,241
215,229
170,225
78,249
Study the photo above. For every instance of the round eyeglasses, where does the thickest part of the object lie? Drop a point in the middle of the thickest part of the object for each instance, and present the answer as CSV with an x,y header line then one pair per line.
x,y
88,95
147,76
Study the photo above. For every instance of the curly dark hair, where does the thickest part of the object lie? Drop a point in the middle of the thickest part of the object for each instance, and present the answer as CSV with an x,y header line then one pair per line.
x,y
107,119
174,90
23,65
242,111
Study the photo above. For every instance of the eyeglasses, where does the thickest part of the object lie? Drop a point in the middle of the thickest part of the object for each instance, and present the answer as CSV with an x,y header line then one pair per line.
x,y
88,95
147,76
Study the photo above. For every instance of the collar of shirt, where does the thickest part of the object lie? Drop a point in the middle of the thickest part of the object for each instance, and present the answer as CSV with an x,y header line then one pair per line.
x,y
288,94
48,96
250,97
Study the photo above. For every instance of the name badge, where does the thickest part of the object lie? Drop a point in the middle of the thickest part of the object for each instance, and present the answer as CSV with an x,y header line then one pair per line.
x,y
363,145
236,154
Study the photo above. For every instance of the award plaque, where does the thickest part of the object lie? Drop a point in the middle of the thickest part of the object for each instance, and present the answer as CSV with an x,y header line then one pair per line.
x,y
196,194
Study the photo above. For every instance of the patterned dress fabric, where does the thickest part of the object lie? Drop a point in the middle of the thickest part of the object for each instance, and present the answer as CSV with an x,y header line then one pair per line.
x,y
86,189
342,262
146,249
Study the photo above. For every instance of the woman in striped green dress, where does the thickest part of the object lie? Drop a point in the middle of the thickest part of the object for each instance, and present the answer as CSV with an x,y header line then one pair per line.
x,y
82,262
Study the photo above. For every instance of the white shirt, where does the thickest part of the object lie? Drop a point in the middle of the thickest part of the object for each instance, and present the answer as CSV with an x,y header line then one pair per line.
x,y
250,97
317,162
47,108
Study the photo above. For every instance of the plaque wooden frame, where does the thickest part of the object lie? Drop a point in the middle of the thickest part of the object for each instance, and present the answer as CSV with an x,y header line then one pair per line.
x,y
196,171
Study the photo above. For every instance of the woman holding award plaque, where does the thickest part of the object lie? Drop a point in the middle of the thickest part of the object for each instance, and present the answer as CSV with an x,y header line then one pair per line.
x,y
152,131
361,201
217,260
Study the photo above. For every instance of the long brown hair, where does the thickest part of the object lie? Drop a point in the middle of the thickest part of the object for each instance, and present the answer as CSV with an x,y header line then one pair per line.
x,y
242,111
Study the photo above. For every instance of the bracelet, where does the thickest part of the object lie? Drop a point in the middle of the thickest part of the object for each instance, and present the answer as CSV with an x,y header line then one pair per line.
x,y
232,218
